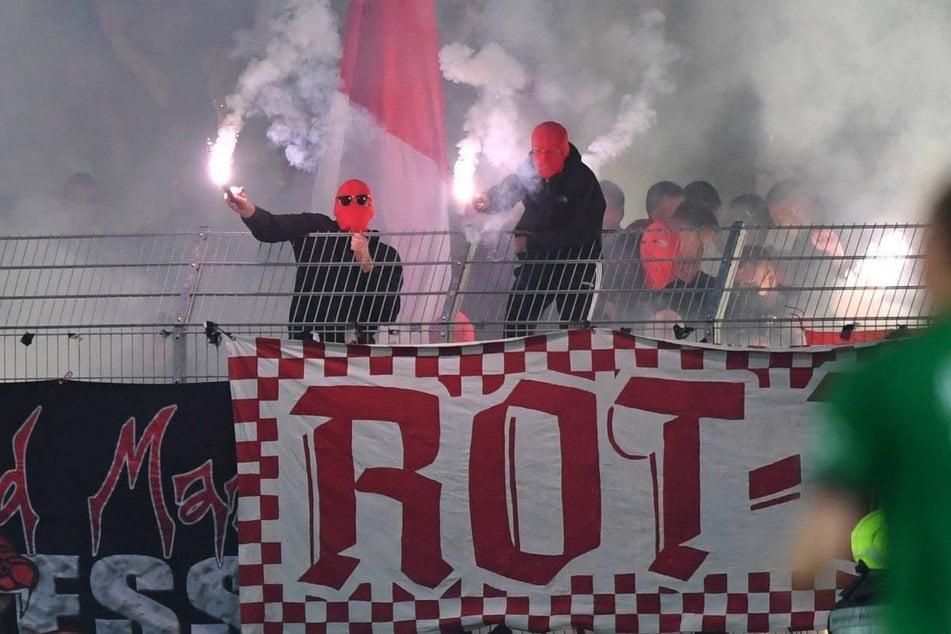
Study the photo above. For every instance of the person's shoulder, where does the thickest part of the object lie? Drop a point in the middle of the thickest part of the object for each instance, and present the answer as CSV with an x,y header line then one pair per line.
x,y
318,222
575,168
579,172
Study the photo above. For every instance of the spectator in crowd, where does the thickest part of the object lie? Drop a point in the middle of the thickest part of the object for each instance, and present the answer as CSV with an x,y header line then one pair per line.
x,y
756,270
885,437
704,194
558,237
657,242
755,300
751,210
812,266
659,249
661,202
614,206
705,227
348,280
622,277
792,204
688,293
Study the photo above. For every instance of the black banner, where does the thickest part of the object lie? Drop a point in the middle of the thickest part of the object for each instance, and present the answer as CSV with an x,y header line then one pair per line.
x,y
117,508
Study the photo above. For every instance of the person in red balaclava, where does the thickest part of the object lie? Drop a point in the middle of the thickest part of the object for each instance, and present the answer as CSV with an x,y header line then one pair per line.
x,y
348,280
558,237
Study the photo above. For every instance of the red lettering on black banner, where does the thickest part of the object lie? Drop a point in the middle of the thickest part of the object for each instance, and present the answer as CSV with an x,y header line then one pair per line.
x,y
202,501
14,493
130,455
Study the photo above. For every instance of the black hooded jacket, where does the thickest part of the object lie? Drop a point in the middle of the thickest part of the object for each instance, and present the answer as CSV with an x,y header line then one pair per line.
x,y
563,214
330,289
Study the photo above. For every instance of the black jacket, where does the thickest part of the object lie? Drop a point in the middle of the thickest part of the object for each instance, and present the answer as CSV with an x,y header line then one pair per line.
x,y
330,290
563,215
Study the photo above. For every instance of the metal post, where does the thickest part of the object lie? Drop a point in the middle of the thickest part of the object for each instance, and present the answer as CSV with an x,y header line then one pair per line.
x,y
459,293
186,302
717,300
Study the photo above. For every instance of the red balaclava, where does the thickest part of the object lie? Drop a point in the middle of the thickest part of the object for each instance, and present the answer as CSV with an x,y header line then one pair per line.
x,y
549,148
660,246
353,206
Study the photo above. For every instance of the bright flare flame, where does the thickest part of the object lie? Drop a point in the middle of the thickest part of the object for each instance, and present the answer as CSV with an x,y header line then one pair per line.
x,y
886,264
463,173
884,261
463,181
222,151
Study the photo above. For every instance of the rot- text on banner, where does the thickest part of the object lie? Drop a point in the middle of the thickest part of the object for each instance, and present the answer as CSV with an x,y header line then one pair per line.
x,y
582,479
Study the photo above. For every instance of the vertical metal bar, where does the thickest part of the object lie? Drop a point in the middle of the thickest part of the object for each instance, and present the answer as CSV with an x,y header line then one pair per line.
x,y
179,354
717,300
186,302
457,294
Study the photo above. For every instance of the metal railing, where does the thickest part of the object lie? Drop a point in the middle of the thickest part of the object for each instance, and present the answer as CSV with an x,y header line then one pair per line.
x,y
136,308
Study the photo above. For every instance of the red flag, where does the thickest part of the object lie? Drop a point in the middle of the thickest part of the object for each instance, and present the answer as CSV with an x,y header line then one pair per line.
x,y
388,125
388,130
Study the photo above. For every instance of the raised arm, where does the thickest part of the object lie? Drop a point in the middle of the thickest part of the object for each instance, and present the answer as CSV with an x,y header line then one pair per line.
x,y
268,227
502,196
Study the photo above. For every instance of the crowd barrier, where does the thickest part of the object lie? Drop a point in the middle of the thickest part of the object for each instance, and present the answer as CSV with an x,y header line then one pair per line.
x,y
153,307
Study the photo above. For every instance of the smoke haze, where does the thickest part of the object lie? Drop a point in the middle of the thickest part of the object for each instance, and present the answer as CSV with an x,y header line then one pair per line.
x,y
294,50
852,95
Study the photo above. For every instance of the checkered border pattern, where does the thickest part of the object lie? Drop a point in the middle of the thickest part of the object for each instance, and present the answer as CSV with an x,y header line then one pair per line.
x,y
758,603
726,604
581,353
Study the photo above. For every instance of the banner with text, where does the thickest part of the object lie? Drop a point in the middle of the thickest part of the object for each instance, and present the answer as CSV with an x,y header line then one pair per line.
x,y
117,508
580,479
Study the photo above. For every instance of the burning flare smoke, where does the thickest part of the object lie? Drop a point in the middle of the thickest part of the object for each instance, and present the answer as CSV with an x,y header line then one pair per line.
x,y
295,51
519,83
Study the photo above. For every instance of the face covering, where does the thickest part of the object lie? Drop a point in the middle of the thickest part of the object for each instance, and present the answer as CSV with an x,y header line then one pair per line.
x,y
549,148
353,206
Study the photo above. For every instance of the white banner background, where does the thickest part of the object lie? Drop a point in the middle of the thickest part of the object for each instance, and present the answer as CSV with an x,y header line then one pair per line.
x,y
663,500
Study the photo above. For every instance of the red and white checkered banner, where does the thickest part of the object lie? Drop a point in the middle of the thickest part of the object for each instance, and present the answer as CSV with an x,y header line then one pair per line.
x,y
581,479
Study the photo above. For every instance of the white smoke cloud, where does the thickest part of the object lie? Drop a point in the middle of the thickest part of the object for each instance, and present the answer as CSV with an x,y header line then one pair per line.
x,y
490,125
579,65
291,79
652,57
860,104
850,95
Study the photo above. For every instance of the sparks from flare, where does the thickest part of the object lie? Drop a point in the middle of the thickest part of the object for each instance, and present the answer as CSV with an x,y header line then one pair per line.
x,y
873,286
463,172
222,152
883,262
463,185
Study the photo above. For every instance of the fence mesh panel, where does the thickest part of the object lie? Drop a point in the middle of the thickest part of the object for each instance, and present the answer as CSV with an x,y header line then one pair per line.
x,y
135,307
